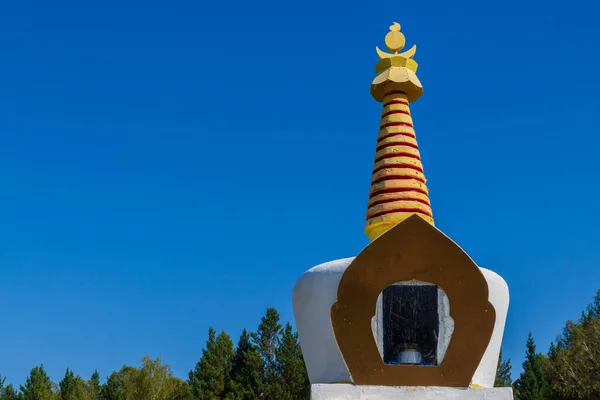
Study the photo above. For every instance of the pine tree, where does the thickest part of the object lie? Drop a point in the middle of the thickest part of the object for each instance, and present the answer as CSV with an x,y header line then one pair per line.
x,y
266,339
68,386
503,378
179,390
113,389
532,383
290,366
10,393
94,387
38,385
593,310
81,391
246,371
210,377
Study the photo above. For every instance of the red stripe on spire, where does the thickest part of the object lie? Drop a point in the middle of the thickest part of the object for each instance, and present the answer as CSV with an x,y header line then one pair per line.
x,y
392,112
397,178
396,190
398,165
401,209
393,155
395,101
385,201
387,125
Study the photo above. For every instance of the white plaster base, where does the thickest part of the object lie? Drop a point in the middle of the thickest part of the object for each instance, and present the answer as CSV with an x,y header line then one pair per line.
x,y
351,392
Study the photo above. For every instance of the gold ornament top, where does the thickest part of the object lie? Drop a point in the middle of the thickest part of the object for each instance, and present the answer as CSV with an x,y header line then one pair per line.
x,y
395,41
395,67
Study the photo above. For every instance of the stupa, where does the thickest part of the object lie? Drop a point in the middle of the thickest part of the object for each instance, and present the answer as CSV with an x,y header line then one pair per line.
x,y
412,316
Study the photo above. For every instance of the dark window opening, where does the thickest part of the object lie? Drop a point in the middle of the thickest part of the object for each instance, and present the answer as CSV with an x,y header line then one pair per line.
x,y
410,324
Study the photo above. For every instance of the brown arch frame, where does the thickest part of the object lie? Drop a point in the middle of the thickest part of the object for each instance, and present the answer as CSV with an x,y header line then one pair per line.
x,y
413,249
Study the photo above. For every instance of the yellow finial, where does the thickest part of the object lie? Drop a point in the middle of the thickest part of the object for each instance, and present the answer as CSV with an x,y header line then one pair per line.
x,y
395,40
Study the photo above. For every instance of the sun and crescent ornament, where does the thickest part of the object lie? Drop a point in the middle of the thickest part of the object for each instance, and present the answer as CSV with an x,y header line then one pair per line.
x,y
395,41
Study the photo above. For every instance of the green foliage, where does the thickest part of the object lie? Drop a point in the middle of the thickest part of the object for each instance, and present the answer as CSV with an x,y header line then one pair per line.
x,y
179,390
10,393
70,388
266,339
93,387
532,383
573,363
152,381
38,385
246,371
290,366
114,388
593,310
266,364
210,378
503,376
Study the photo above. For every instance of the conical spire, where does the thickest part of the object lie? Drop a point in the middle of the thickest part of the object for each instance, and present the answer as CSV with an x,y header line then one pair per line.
x,y
398,188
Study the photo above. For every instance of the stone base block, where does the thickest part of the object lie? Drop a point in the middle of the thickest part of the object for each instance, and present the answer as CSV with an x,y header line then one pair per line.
x,y
351,392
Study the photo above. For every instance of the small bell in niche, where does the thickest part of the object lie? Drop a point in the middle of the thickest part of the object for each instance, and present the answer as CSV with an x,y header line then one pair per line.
x,y
411,355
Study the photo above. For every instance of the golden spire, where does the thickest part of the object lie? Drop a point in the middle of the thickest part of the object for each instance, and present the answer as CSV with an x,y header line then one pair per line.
x,y
398,188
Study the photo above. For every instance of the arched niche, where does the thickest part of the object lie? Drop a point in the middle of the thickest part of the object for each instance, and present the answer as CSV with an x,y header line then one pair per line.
x,y
412,324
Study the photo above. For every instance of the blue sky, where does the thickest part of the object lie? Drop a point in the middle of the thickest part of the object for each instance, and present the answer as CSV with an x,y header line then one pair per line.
x,y
167,166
